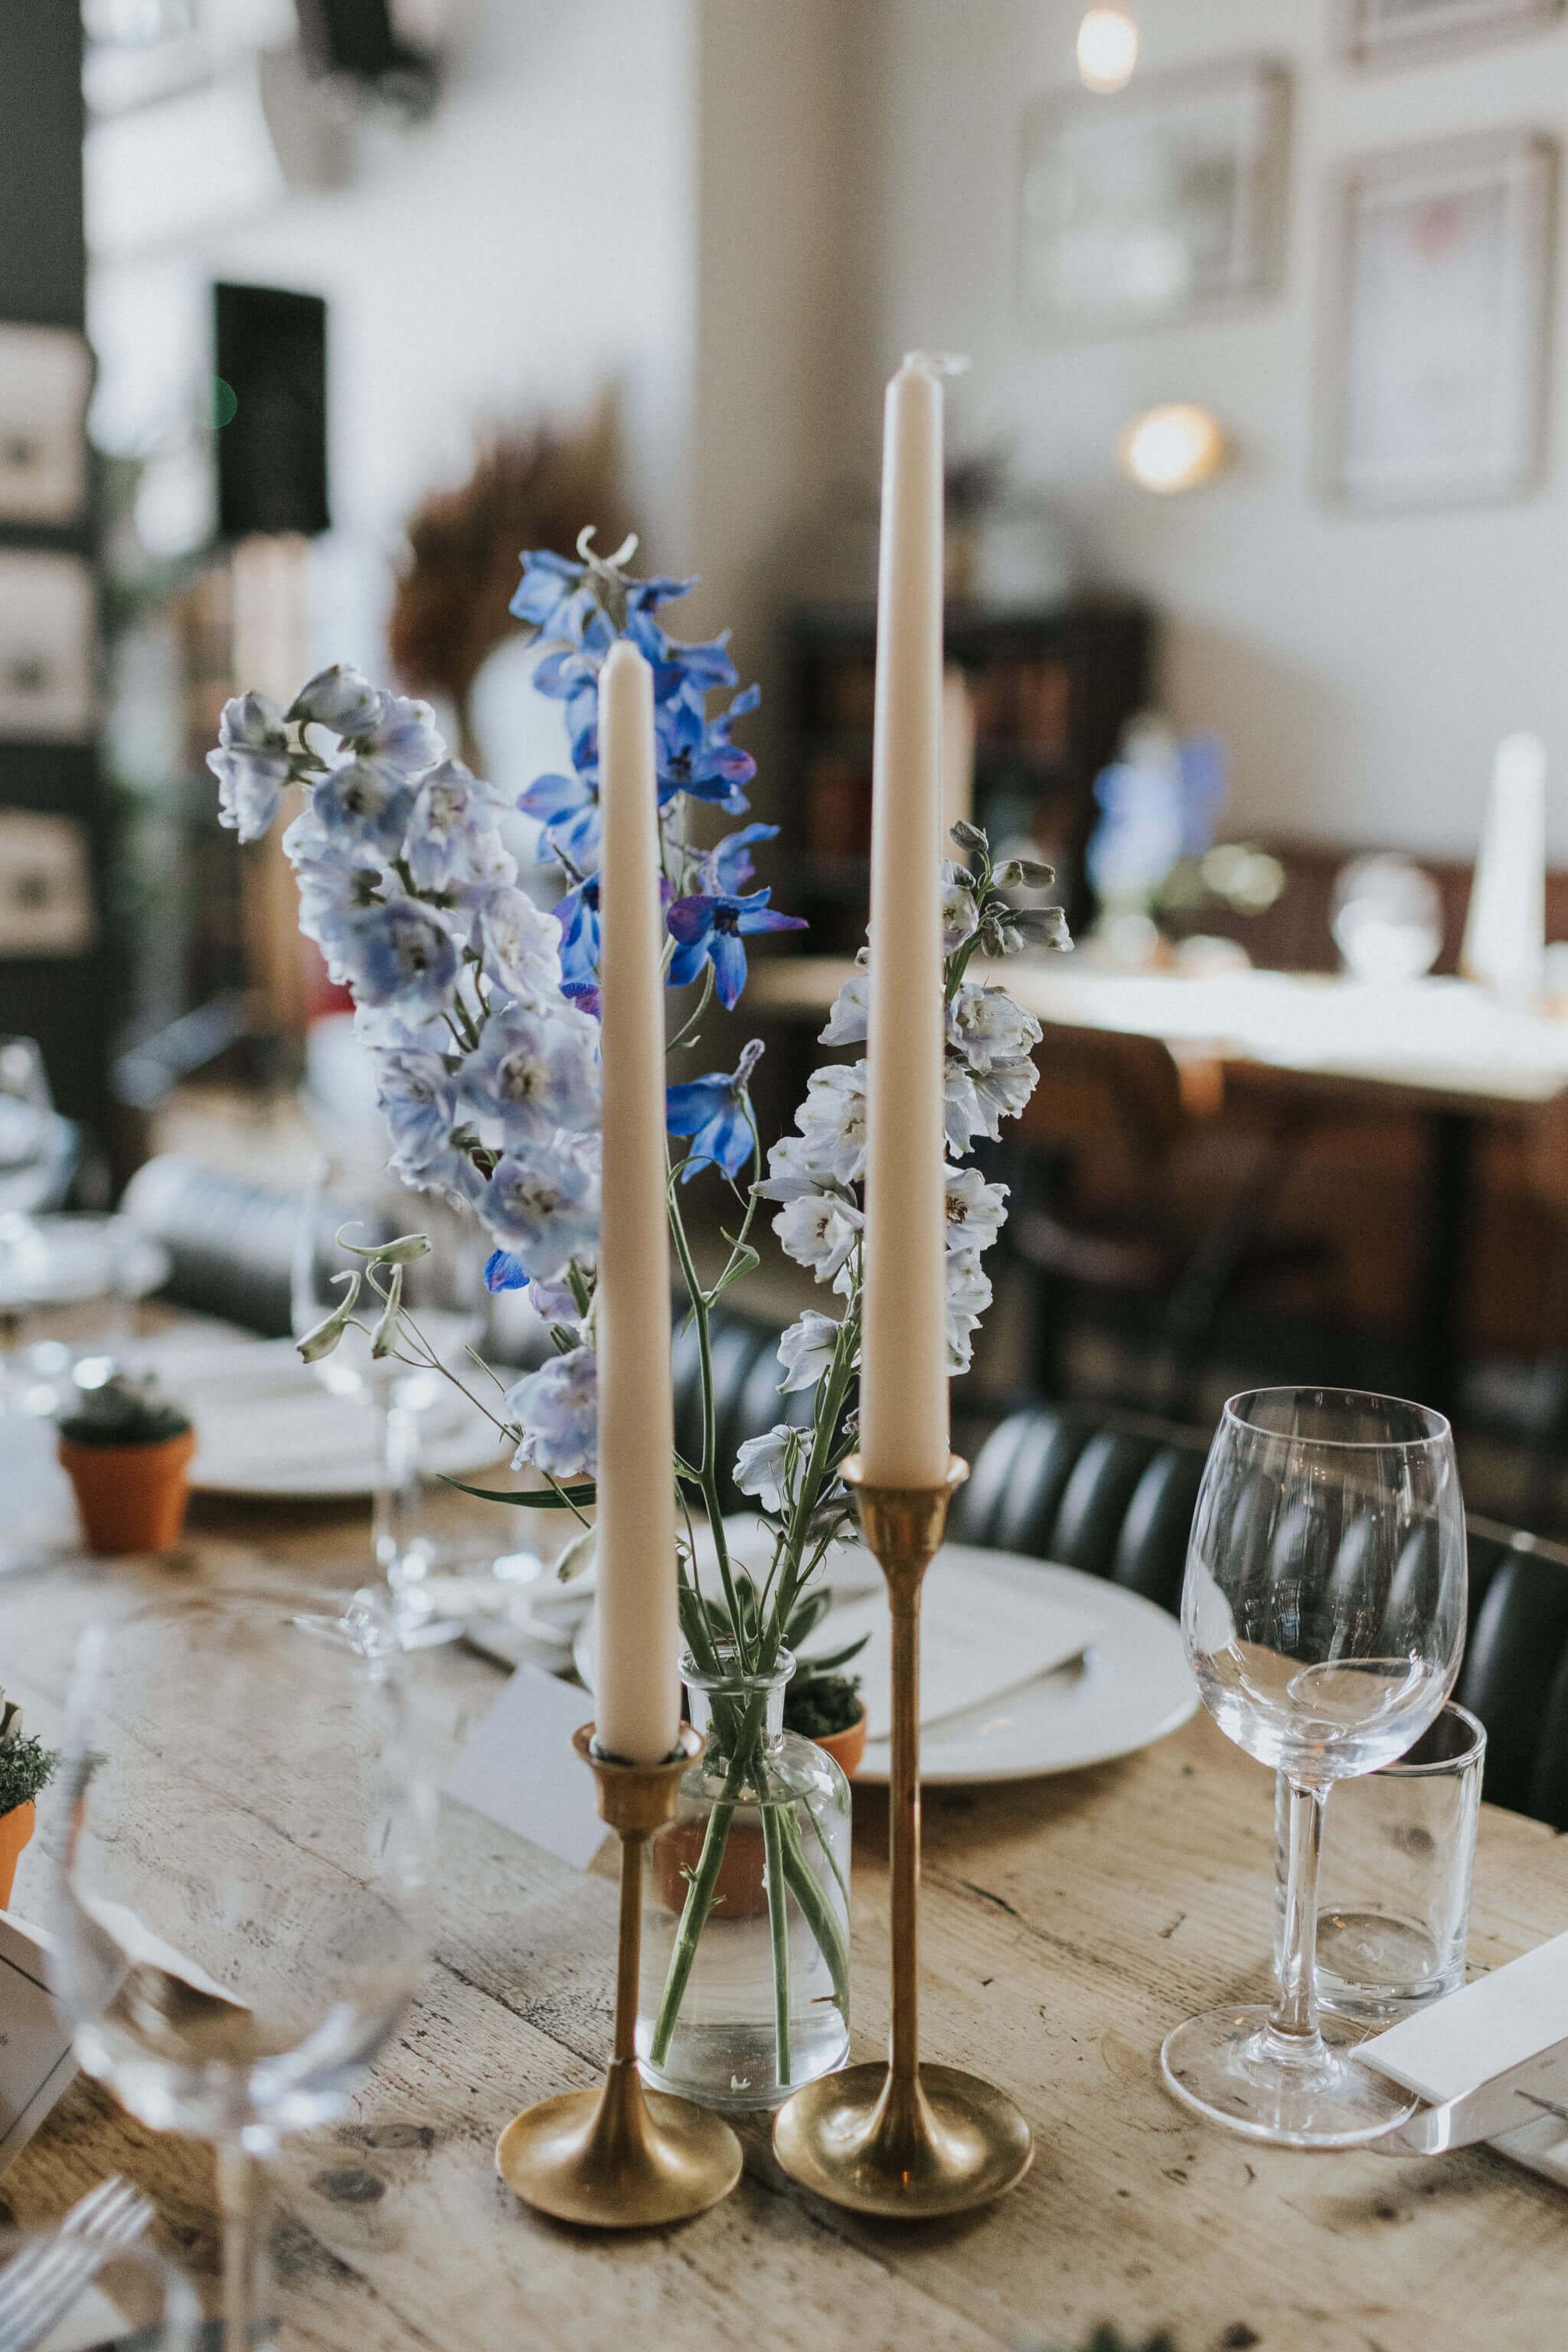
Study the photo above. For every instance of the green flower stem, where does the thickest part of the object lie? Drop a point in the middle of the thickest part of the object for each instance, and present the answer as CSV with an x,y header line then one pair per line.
x,y
820,1916
694,1913
778,1927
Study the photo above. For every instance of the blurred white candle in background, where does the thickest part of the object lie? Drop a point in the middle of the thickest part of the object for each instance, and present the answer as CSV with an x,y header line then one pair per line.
x,y
957,756
639,1695
903,1381
1505,926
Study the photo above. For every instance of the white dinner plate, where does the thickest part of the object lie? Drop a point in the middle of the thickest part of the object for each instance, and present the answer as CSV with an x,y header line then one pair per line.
x,y
1131,1685
267,1428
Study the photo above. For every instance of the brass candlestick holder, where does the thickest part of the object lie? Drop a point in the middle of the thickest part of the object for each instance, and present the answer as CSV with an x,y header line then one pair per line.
x,y
622,2157
899,2140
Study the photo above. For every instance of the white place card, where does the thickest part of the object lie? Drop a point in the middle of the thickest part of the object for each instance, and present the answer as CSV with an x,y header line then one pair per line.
x,y
37,2061
1450,2049
980,1636
519,1768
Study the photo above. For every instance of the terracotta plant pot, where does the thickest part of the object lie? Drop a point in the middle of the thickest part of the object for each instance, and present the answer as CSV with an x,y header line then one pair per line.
x,y
846,1747
15,1829
130,1498
740,1893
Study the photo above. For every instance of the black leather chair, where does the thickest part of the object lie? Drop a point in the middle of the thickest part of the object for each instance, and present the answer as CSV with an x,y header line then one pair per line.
x,y
1114,1496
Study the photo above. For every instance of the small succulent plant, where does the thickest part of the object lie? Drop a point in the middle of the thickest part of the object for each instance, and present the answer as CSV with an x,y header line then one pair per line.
x,y
26,1764
122,1411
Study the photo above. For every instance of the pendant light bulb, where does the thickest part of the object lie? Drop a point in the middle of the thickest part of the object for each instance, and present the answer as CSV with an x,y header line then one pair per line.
x,y
1107,49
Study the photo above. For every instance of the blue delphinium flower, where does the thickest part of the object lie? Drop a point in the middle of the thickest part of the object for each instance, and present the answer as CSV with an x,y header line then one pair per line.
x,y
400,951
568,809
694,753
715,1113
708,928
534,1071
557,1410
543,1203
578,916
727,867
553,595
504,1271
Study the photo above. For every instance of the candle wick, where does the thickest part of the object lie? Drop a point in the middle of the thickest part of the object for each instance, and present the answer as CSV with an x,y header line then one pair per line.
x,y
939,363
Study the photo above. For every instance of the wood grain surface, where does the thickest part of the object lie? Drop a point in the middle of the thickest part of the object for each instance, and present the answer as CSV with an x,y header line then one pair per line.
x,y
1066,1925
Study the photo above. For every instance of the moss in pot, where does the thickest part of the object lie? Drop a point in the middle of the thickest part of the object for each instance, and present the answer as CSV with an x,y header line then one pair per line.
x,y
830,1709
27,1765
127,1450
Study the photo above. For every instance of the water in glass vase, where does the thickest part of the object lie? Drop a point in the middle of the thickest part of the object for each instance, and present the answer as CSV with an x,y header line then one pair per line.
x,y
744,1991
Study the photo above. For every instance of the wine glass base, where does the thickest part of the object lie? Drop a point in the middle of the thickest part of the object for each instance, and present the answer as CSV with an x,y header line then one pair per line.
x,y
1229,2067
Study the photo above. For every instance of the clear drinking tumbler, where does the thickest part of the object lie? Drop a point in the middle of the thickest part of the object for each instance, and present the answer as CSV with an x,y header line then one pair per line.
x,y
1394,1887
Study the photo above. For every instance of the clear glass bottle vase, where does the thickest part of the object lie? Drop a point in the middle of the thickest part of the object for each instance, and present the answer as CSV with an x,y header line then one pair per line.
x,y
745,1988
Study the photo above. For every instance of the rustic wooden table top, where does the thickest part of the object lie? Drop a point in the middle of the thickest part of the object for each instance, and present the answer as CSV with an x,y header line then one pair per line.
x,y
1067,1924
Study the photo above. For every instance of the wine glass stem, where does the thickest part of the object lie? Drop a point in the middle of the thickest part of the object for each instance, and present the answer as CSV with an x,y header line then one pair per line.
x,y
242,2196
1295,2017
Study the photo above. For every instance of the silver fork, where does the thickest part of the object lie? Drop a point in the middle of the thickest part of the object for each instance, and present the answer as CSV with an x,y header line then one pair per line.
x,y
38,2288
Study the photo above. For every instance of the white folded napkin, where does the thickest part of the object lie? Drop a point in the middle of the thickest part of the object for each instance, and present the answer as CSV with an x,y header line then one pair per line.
x,y
1451,2048
980,1638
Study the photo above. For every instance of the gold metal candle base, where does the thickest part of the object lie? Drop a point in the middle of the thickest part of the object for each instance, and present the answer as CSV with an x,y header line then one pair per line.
x,y
944,2143
622,2157
899,2140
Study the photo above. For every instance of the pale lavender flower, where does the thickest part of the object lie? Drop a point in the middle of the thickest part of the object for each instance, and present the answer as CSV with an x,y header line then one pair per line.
x,y
413,1089
557,1410
535,1072
401,953
339,699
518,945
402,740
251,764
364,810
451,828
543,1203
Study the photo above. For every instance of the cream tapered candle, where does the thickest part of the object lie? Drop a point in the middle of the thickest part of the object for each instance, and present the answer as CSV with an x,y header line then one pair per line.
x,y
639,1695
903,1381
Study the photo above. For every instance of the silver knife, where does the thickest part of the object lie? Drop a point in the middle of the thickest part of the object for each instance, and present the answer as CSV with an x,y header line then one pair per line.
x,y
1537,2086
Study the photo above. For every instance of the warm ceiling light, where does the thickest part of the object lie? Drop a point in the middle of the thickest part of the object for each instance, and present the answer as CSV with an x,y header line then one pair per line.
x,y
1172,447
1107,49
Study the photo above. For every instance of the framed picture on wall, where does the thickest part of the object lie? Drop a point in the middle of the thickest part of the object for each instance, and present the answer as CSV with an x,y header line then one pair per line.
x,y
48,646
1162,204
1396,32
44,375
1439,321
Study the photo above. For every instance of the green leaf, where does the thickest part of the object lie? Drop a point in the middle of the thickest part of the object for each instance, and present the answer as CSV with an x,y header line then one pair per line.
x,y
811,1667
532,1498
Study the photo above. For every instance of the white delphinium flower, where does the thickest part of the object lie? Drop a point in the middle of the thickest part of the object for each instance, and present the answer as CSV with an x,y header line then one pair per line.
x,y
975,1212
968,1297
1002,1091
765,1465
959,914
806,1350
819,1230
832,1119
961,1114
847,1023
985,1026
791,1171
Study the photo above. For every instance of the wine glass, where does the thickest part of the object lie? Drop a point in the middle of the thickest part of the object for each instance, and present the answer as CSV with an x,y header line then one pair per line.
x,y
1323,1613
136,2301
444,1291
241,1906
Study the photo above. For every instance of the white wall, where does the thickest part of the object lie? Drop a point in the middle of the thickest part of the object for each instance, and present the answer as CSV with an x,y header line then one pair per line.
x,y
532,243
1362,669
